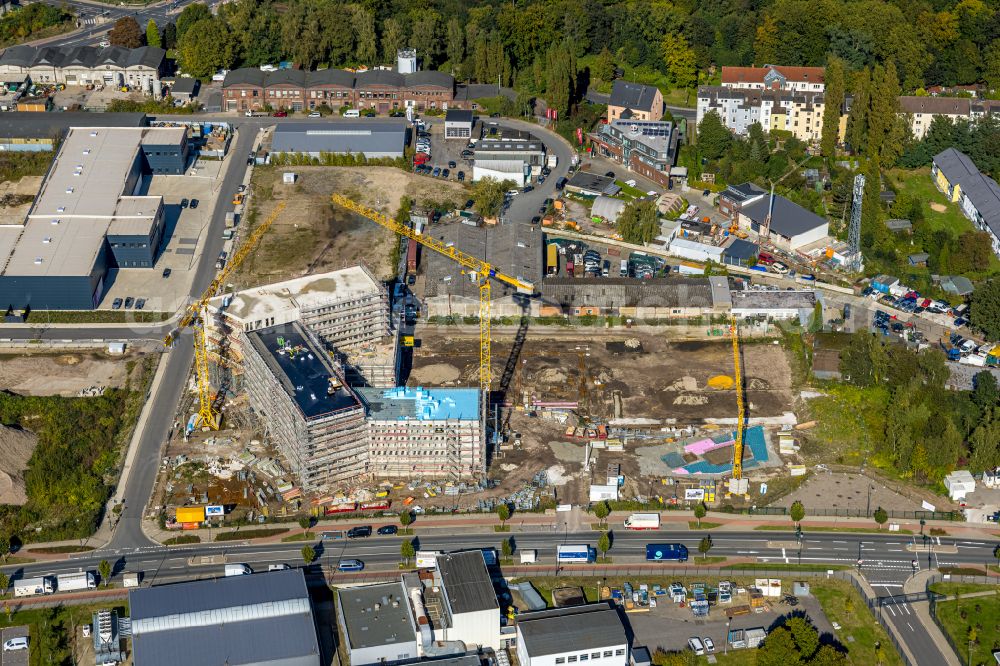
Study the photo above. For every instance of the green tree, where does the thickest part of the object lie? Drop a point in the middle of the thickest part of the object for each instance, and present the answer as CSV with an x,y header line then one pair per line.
x,y
407,551
456,43
308,554
873,232
305,522
985,393
797,512
427,34
779,649
704,546
503,513
4,583
864,361
881,517
602,511
406,518
996,555
153,34
714,137
833,100
767,45
4,547
190,15
126,33
104,569
857,122
604,544
699,512
639,221
680,60
205,48
488,194
507,548
170,36
805,637
393,38
366,43
604,65
985,309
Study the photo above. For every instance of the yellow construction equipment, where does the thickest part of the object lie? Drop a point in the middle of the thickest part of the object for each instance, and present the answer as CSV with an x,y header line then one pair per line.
x,y
193,315
737,484
480,270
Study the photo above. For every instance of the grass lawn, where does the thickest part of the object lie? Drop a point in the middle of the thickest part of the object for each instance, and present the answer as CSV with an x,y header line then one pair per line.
x,y
301,536
70,548
96,316
182,540
239,535
980,615
807,530
919,183
842,604
962,588
705,525
628,191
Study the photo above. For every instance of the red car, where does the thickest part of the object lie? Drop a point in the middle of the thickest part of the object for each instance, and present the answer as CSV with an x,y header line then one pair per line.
x,y
280,114
765,258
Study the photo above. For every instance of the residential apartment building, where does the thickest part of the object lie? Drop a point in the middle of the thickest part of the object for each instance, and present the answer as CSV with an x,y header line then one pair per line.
x,y
82,65
634,101
591,634
920,111
647,147
305,407
425,433
347,309
800,113
383,91
977,194
774,77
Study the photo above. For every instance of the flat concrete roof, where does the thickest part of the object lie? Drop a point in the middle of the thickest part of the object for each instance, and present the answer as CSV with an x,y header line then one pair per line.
x,y
302,293
367,626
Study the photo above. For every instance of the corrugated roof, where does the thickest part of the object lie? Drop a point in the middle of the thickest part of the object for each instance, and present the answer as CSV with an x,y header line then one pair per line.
x,y
260,619
33,125
980,189
371,137
572,629
467,583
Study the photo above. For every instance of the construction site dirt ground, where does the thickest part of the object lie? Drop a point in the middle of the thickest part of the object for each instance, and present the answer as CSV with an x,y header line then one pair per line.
x,y
660,380
311,235
68,374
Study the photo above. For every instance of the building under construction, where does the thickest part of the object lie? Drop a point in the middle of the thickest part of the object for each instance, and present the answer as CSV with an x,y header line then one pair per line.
x,y
347,309
424,433
305,406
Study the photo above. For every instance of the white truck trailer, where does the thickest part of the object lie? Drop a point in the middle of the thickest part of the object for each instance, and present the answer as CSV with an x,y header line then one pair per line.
x,y
83,580
30,587
643,521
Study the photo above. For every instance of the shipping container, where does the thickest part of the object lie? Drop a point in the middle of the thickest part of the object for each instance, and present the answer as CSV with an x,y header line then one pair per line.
x,y
552,259
349,507
84,580
411,256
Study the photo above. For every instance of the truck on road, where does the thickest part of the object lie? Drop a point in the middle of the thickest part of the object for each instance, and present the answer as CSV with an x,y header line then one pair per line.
x,y
238,570
83,580
666,552
30,587
574,553
643,521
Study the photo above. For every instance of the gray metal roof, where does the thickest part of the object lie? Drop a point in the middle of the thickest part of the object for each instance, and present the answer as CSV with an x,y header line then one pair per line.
x,y
376,615
467,582
83,56
625,292
574,629
372,137
633,95
32,125
265,618
788,218
741,249
184,85
980,189
592,182
740,193
458,116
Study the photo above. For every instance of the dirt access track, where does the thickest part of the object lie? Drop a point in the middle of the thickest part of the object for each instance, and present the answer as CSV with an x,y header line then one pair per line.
x,y
311,235
659,379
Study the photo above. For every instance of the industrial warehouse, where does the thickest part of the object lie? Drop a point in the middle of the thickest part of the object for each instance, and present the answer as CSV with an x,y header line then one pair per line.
x,y
89,217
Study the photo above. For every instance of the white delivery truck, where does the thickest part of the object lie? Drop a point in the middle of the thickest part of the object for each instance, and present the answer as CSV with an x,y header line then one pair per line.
x,y
528,556
131,578
83,580
643,521
238,570
30,587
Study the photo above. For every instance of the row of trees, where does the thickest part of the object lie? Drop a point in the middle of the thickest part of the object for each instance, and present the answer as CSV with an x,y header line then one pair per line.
x,y
979,140
21,24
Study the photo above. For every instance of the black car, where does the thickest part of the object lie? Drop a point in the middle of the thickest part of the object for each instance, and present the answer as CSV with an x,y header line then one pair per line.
x,y
561,183
461,176
166,272
140,304
542,210
359,532
609,174
467,154
452,164
388,530
411,279
194,203
444,174
128,302
184,203
469,204
536,220
116,304
527,188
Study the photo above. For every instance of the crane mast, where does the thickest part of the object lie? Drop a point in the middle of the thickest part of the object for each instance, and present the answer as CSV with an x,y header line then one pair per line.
x,y
737,484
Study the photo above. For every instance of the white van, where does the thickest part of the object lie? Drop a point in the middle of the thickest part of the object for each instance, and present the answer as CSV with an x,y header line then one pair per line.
x,y
278,567
624,268
238,570
352,113
696,646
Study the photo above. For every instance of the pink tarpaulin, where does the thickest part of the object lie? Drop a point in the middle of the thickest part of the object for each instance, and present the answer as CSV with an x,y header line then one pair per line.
x,y
703,445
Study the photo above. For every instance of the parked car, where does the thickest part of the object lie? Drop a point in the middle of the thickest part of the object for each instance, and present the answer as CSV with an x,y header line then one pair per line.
x,y
194,203
166,272
436,172
696,646
315,114
960,322
350,565
359,532
527,188
467,154
128,302
536,220
140,303
765,258
779,268
709,645
14,644
706,193
541,179
116,304
461,176
104,44
280,114
278,567
452,164
445,173
388,530
609,174
184,203
561,183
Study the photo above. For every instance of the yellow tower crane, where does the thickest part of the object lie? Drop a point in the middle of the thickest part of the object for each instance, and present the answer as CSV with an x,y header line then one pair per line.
x,y
737,484
480,270
194,316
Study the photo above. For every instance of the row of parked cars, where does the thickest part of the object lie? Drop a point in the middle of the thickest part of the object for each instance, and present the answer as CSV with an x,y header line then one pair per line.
x,y
914,303
139,303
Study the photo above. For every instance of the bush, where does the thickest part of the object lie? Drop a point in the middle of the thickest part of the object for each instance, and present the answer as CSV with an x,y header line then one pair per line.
x,y
240,535
182,539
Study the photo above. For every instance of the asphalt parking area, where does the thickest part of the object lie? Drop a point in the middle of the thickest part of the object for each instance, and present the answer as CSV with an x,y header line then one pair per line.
x,y
445,151
13,657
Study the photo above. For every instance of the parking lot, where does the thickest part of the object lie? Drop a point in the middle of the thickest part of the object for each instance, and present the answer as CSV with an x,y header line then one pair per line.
x,y
578,259
446,154
13,657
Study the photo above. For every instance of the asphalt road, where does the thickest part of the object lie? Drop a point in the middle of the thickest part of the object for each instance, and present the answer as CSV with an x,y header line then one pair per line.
x,y
98,18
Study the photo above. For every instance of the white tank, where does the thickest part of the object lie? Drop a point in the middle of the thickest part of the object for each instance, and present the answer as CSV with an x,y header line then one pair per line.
x,y
406,61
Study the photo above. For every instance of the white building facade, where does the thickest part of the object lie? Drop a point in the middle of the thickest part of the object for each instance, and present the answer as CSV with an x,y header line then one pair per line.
x,y
592,635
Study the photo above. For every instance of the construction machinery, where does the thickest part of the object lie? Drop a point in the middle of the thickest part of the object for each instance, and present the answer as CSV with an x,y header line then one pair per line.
x,y
479,270
194,316
737,484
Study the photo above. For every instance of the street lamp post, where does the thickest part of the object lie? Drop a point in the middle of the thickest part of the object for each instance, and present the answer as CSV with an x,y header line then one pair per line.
x,y
922,523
